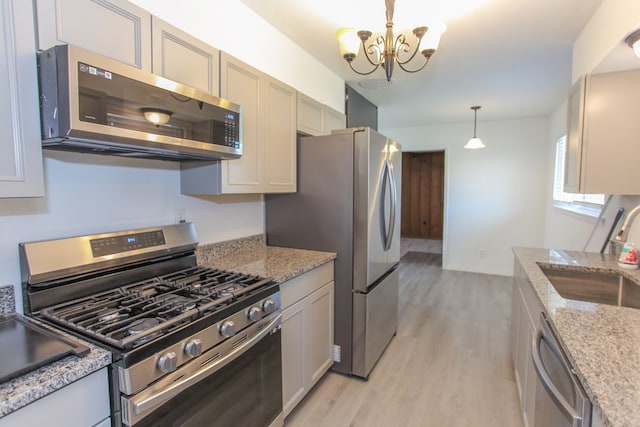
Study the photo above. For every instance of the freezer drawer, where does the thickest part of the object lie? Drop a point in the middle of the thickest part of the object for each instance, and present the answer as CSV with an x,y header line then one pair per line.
x,y
375,322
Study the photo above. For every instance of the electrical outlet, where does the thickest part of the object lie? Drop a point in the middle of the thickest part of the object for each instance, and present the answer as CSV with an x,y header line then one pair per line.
x,y
482,253
181,216
336,353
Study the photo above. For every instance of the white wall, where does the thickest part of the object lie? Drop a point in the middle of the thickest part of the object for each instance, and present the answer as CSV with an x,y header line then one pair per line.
x,y
495,197
92,194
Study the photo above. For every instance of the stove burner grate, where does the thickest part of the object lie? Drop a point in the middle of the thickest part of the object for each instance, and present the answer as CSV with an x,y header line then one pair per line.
x,y
172,300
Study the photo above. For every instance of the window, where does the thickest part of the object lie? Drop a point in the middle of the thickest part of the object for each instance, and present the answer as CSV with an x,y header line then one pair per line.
x,y
588,204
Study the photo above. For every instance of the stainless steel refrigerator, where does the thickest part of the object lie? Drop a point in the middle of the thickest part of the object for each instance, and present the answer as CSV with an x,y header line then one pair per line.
x,y
348,201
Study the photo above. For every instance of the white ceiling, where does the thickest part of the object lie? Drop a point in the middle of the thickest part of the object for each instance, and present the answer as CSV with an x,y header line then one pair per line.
x,y
512,57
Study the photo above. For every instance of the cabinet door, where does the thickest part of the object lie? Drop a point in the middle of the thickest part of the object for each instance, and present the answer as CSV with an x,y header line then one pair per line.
x,y
114,28
21,171
333,120
309,118
294,333
321,313
242,84
515,330
279,137
611,129
573,155
173,49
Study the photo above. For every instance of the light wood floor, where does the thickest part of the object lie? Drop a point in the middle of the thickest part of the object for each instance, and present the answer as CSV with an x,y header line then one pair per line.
x,y
449,364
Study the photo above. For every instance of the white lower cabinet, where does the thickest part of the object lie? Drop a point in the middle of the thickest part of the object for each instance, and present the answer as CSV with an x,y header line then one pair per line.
x,y
307,332
83,403
525,314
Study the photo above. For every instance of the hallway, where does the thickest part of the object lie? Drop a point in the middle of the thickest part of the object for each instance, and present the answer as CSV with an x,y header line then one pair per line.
x,y
449,364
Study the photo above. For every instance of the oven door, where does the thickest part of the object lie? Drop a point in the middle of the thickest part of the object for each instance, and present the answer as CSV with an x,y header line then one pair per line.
x,y
240,385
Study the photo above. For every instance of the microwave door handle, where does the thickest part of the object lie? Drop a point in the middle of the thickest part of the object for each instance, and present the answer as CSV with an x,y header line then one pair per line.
x,y
394,204
558,398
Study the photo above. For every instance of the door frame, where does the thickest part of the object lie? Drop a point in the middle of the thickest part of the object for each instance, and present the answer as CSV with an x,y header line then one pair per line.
x,y
445,203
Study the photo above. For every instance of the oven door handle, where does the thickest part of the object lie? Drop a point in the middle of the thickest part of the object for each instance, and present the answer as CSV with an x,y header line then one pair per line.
x,y
141,404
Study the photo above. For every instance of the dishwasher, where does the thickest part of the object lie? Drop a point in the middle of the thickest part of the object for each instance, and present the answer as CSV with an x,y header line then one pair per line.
x,y
561,401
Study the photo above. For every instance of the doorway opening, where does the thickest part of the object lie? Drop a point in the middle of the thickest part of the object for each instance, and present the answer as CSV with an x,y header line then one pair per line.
x,y
422,221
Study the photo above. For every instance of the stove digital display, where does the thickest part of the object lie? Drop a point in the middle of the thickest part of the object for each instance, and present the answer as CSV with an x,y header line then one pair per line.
x,y
126,243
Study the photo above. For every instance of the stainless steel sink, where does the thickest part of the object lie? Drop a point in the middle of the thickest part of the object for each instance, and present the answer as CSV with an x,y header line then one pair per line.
x,y
598,287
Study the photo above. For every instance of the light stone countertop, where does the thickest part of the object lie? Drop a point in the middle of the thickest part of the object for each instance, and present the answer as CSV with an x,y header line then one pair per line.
x,y
601,341
251,255
20,391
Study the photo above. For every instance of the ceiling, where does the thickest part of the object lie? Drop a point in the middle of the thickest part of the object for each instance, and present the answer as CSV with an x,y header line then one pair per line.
x,y
512,57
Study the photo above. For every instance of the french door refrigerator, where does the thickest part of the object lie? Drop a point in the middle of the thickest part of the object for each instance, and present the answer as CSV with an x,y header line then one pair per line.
x,y
348,202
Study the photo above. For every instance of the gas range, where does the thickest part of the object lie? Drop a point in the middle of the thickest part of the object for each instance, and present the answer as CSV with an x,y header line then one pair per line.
x,y
132,315
141,294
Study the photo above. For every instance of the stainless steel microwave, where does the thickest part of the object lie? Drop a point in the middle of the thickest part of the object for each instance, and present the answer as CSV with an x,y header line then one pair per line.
x,y
94,104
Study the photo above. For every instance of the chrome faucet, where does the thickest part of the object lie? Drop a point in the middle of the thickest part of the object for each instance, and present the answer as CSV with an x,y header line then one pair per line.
x,y
624,230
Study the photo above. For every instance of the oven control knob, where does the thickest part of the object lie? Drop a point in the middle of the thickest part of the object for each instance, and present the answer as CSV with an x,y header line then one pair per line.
x,y
168,362
193,348
269,306
228,328
255,314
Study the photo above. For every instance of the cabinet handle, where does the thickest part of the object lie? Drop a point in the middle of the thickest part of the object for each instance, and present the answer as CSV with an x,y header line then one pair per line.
x,y
555,394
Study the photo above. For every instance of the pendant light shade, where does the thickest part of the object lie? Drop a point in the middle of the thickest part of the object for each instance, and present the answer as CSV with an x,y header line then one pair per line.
x,y
475,142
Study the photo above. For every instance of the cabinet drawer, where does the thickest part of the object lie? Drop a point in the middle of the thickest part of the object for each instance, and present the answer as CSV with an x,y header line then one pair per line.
x,y
295,289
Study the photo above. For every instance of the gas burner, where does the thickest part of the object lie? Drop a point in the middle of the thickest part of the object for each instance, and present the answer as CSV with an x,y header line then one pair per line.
x,y
110,316
228,289
177,302
138,326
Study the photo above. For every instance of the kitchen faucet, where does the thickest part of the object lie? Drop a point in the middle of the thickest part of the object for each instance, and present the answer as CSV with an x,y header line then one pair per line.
x,y
624,230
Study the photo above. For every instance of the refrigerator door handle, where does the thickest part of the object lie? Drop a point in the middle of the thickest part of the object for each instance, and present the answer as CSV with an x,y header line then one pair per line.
x,y
394,204
384,177
387,226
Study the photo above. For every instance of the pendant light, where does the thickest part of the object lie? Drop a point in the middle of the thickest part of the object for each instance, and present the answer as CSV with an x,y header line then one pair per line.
x,y
475,142
633,41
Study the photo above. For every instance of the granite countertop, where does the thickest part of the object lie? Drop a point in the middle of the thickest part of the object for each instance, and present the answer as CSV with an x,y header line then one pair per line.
x,y
20,391
601,341
277,263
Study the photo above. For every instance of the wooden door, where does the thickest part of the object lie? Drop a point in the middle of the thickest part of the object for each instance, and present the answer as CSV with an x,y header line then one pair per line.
x,y
422,195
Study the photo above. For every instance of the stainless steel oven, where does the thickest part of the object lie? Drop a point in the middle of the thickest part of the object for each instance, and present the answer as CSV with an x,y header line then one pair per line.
x,y
241,388
191,346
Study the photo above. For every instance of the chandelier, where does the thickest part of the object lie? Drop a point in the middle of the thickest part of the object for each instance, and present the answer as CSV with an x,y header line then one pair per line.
x,y
387,50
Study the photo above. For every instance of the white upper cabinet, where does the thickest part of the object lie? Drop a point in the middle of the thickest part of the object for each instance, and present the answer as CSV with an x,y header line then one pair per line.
x,y
183,58
309,115
316,119
333,120
279,137
21,170
268,116
113,28
603,129
244,85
